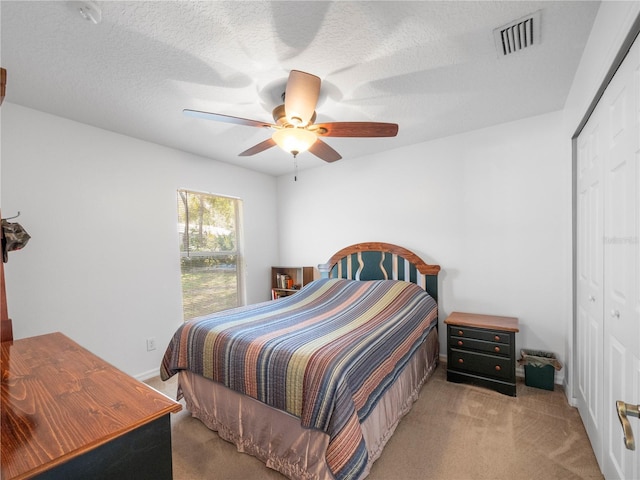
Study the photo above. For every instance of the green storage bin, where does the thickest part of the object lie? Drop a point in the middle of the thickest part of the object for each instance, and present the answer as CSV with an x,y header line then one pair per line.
x,y
539,368
539,377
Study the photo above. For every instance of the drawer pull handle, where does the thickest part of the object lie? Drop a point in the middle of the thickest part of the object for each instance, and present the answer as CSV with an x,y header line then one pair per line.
x,y
497,338
460,332
496,349
498,368
460,360
460,342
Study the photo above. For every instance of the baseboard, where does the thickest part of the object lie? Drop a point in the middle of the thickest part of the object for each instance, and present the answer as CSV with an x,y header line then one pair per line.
x,y
155,372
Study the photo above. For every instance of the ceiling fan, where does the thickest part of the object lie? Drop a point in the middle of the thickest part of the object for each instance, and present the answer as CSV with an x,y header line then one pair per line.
x,y
295,130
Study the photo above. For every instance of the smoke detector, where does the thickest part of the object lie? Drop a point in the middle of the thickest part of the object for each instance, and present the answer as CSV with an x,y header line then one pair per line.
x,y
518,35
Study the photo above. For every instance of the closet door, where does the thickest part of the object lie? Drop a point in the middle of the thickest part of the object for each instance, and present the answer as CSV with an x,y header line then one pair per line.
x,y
622,263
589,288
608,269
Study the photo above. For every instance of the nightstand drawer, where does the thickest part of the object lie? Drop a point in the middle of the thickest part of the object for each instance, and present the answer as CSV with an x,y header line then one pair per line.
x,y
487,365
480,345
479,334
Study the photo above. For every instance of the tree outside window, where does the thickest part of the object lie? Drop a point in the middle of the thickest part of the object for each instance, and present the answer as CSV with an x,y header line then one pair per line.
x,y
210,252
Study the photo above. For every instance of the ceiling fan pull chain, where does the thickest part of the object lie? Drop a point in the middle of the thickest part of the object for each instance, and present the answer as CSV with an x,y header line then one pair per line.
x,y
295,169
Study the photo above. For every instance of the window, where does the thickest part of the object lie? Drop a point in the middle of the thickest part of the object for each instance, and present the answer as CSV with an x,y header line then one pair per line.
x,y
209,230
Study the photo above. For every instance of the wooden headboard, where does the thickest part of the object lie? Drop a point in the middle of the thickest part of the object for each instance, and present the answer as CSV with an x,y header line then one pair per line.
x,y
382,261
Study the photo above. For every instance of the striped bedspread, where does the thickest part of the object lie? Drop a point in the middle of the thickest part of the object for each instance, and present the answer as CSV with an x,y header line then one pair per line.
x,y
325,354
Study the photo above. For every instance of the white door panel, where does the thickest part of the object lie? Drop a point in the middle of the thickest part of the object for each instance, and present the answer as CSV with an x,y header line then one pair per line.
x,y
608,269
589,289
621,320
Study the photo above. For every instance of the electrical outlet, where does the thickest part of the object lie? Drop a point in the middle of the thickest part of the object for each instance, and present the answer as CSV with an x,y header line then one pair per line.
x,y
151,344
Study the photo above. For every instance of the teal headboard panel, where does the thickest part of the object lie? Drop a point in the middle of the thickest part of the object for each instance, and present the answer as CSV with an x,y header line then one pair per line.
x,y
382,261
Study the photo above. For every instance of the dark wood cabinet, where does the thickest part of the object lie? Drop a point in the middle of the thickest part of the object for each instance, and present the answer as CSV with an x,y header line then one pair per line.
x,y
68,414
288,280
481,349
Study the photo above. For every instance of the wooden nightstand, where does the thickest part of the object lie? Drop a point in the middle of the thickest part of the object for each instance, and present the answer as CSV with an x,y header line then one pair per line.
x,y
481,349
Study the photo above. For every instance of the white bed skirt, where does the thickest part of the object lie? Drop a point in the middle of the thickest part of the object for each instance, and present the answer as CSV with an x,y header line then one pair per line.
x,y
278,439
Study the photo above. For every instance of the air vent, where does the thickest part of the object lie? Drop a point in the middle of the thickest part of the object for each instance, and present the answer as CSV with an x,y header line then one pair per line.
x,y
518,35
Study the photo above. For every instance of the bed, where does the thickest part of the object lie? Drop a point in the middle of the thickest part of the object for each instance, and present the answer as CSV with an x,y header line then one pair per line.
x,y
314,384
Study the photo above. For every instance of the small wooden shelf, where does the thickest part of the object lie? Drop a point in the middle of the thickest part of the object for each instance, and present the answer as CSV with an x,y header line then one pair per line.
x,y
299,277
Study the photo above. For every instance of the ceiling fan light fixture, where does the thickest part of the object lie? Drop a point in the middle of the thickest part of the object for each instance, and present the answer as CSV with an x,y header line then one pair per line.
x,y
294,140
301,133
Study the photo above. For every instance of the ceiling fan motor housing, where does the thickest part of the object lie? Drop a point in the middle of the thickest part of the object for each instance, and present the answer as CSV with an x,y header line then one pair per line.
x,y
280,117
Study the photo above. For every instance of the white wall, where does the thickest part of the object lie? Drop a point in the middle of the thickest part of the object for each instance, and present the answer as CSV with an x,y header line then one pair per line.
x,y
490,207
610,28
102,265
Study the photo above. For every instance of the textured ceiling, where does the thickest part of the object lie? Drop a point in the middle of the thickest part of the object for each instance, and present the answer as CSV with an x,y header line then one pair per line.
x,y
431,67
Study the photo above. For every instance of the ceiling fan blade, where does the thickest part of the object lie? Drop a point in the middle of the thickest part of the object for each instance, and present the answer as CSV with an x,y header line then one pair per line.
x,y
324,151
300,97
355,129
260,147
218,117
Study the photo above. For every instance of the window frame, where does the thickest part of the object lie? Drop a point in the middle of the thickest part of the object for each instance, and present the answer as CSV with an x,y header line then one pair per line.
x,y
239,244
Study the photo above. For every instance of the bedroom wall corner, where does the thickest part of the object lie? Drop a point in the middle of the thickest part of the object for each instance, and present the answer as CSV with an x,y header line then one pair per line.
x,y
102,265
490,206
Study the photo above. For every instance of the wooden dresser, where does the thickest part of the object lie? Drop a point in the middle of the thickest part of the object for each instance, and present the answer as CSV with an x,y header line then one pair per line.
x,y
66,413
481,349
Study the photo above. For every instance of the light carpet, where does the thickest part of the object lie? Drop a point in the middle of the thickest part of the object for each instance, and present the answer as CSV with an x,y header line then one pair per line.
x,y
454,431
